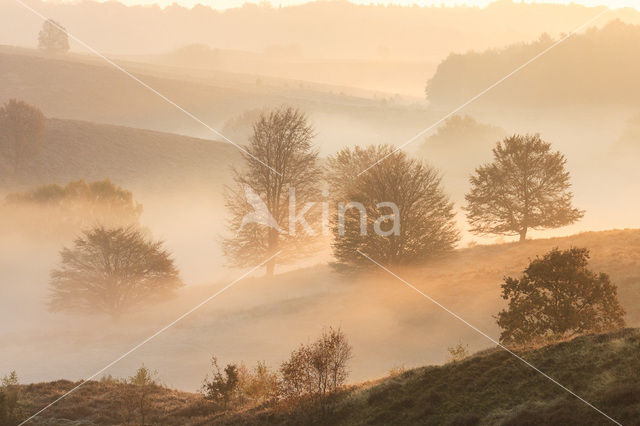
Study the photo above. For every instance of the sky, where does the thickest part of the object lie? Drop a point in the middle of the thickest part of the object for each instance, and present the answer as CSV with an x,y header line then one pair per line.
x,y
226,4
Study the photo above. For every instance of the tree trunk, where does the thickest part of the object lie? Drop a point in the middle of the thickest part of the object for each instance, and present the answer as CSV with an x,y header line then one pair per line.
x,y
271,266
272,249
523,235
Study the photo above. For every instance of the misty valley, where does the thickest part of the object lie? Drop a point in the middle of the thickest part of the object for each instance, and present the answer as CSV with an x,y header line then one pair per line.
x,y
319,212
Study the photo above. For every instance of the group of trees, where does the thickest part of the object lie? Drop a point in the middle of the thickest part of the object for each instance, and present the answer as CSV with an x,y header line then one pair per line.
x,y
385,204
604,54
67,209
313,371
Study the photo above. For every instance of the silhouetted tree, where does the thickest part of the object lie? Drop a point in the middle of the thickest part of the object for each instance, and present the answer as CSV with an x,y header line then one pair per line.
x,y
111,270
142,385
396,212
525,187
53,37
557,297
220,388
318,368
22,130
260,201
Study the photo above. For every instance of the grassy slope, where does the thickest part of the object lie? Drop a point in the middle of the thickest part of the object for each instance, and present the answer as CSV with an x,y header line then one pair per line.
x,y
131,157
490,387
84,88
493,387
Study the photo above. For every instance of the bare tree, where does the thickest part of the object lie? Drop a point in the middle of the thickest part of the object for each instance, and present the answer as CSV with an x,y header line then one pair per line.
x,y
396,212
22,130
280,164
318,368
111,271
53,37
525,187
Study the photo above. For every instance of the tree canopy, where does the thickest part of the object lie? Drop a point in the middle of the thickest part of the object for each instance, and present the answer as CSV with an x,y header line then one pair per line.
x,y
526,186
53,37
111,270
22,131
557,297
396,212
262,222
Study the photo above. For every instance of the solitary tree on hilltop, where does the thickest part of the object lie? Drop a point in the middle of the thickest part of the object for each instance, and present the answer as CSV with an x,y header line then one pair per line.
x,y
111,271
558,297
525,187
279,159
53,37
22,130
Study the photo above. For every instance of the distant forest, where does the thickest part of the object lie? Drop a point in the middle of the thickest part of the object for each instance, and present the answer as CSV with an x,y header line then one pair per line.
x,y
599,66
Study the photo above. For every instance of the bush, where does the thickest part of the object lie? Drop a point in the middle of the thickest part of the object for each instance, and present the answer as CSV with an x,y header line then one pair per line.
x,y
318,368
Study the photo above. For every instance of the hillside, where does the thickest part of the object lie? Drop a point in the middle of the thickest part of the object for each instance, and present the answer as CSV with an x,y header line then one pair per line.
x,y
490,388
83,87
261,319
566,75
137,159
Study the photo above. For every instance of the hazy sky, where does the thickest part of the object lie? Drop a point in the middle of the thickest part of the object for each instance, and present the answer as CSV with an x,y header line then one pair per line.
x,y
224,4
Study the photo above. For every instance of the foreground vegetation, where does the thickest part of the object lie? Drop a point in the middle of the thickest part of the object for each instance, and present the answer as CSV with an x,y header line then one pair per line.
x,y
489,387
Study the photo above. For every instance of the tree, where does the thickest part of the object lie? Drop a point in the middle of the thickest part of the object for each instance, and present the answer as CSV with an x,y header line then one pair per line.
x,y
111,270
396,212
558,297
22,130
10,412
318,368
257,386
53,37
260,201
221,388
142,385
525,187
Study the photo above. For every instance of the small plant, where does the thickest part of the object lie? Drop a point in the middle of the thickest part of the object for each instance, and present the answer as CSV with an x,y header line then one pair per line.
x,y
9,410
458,352
397,370
136,393
220,388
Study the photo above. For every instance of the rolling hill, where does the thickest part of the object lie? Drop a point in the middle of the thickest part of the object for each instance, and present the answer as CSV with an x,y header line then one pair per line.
x,y
489,388
82,87
261,319
140,160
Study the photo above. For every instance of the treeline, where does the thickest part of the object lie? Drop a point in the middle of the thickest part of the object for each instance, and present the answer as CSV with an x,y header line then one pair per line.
x,y
598,67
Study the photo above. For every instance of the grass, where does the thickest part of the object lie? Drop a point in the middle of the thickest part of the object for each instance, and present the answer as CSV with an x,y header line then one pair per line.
x,y
489,387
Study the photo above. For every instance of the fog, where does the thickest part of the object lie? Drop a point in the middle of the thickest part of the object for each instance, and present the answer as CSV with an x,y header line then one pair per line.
x,y
356,92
